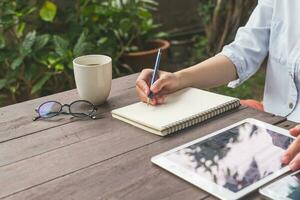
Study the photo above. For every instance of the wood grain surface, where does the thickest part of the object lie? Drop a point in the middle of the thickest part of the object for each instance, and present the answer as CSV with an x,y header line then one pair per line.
x,y
67,158
16,120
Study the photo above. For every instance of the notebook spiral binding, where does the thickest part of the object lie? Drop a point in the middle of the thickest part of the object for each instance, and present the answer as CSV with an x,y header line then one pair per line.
x,y
200,117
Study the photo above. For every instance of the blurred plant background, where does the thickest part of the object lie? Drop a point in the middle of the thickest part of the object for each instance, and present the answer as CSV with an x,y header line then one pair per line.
x,y
39,39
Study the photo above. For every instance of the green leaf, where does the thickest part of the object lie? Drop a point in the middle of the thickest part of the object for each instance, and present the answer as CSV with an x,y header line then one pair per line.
x,y
13,88
41,41
52,58
59,67
41,58
151,2
48,11
7,21
39,85
161,35
2,40
32,71
102,40
70,65
27,44
8,8
2,83
125,25
20,29
144,13
80,45
61,45
29,10
17,62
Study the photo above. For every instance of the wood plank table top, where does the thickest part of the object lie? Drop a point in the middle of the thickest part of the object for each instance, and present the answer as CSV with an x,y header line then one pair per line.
x,y
68,158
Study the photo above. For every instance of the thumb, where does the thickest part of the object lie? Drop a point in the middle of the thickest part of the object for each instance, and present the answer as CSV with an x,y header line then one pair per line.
x,y
292,151
158,85
295,131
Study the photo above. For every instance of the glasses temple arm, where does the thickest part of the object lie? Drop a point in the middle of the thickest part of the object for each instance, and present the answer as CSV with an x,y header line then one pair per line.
x,y
36,118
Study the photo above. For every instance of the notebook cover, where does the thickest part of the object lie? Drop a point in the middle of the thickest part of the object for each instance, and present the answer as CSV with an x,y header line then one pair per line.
x,y
179,106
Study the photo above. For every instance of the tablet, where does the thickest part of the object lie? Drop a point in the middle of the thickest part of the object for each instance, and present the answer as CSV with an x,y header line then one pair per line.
x,y
231,162
286,188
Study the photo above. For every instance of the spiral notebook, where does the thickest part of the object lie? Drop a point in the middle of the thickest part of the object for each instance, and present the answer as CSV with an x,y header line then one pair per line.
x,y
181,109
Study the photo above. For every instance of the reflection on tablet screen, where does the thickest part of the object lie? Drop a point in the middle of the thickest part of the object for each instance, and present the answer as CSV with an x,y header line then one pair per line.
x,y
286,188
235,158
294,187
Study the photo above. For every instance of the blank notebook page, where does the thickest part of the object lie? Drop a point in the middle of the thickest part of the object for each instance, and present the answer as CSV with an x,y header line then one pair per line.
x,y
178,106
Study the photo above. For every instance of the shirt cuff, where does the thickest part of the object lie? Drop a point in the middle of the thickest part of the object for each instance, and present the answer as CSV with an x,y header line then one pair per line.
x,y
240,66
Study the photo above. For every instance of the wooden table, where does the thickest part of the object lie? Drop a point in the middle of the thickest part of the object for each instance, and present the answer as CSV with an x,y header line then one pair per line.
x,y
67,158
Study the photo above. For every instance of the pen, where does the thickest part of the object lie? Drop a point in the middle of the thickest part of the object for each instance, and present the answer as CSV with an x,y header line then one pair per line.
x,y
154,74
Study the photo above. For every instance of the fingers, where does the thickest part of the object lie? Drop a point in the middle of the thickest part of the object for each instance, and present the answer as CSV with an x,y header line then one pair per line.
x,y
143,80
159,99
292,151
142,85
143,90
292,155
295,163
144,97
159,84
295,131
156,100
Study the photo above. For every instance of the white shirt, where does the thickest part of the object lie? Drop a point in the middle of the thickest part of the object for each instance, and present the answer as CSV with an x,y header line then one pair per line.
x,y
273,29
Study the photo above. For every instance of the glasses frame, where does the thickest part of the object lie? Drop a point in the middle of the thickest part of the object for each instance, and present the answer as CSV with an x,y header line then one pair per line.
x,y
92,115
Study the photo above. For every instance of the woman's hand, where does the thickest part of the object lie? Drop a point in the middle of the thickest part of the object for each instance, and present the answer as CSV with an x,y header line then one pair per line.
x,y
292,154
166,83
215,71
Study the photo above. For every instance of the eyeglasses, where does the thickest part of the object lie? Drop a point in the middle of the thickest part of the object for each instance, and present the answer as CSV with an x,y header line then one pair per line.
x,y
80,108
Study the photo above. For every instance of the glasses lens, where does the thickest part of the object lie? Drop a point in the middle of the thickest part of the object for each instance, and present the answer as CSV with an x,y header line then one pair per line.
x,y
49,109
82,108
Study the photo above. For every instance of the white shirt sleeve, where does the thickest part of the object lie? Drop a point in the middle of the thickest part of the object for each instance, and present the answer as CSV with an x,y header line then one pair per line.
x,y
251,43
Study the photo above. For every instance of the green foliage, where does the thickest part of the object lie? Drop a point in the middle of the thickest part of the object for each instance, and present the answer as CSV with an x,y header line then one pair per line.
x,y
39,40
199,52
48,11
2,41
40,83
205,11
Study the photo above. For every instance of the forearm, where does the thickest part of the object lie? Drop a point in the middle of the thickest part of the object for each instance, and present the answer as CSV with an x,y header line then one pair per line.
x,y
213,72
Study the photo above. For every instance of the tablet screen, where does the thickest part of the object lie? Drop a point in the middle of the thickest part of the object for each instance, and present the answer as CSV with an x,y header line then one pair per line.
x,y
235,158
285,188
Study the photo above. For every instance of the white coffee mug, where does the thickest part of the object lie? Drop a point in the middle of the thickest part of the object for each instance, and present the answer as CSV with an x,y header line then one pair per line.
x,y
93,75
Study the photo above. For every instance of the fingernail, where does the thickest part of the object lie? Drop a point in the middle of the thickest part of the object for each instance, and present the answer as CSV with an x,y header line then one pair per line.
x,y
285,159
293,166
